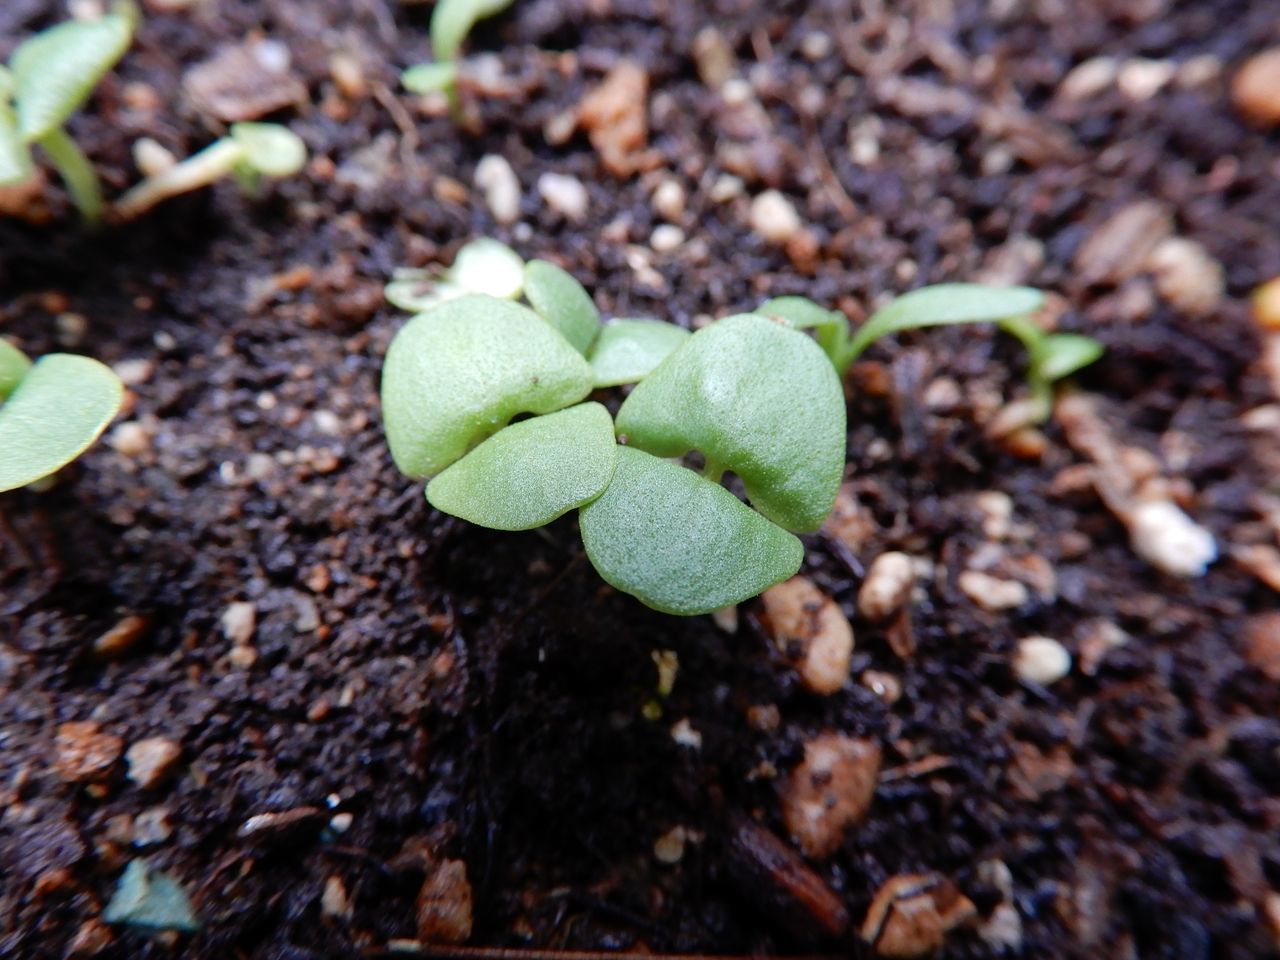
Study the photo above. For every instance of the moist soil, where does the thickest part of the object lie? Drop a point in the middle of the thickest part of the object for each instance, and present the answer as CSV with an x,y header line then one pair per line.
x,y
424,690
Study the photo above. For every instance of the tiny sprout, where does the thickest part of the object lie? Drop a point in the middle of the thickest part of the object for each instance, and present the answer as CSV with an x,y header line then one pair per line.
x,y
451,22
1052,356
48,79
50,412
249,152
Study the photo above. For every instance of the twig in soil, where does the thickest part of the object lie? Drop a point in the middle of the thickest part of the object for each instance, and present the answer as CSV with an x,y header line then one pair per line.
x,y
917,768
838,195
409,141
845,555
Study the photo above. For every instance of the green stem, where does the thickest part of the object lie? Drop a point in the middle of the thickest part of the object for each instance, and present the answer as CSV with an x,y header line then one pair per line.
x,y
76,172
712,470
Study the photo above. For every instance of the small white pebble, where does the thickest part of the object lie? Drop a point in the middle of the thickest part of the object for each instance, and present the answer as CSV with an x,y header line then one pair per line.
x,y
816,45
726,187
992,593
665,238
887,586
684,734
1089,79
669,848
726,619
1169,540
130,439
774,217
1140,79
500,186
242,657
669,199
1041,660
563,194
996,508
238,622
327,422
341,822
134,372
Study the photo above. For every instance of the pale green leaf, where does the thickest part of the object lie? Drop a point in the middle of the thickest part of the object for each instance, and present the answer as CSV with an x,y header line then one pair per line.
x,y
942,305
15,156
459,372
424,78
270,148
61,406
150,900
55,71
489,267
416,290
755,397
562,302
830,326
1059,355
680,543
627,351
531,472
14,365
452,20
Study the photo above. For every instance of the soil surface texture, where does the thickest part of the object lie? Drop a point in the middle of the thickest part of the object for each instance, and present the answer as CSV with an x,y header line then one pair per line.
x,y
237,644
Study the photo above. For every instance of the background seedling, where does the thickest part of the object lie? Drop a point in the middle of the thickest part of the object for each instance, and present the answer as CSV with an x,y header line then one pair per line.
x,y
50,412
249,152
49,77
1052,356
451,22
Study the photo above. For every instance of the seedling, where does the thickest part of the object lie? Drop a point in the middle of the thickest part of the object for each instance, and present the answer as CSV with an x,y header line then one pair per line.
x,y
49,77
249,152
451,22
1052,356
460,371
50,412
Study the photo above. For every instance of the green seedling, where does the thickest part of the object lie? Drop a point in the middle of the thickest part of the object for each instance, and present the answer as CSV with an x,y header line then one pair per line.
x,y
751,395
1052,356
451,22
49,77
50,412
249,152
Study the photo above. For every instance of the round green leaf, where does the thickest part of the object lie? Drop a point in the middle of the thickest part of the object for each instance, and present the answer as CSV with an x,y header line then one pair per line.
x,y
459,372
1059,355
270,148
531,472
61,406
627,351
489,267
757,398
562,302
680,543
13,367
942,305
452,20
55,71
426,78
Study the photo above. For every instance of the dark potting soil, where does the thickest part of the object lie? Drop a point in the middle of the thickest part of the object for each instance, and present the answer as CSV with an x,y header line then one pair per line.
x,y
453,693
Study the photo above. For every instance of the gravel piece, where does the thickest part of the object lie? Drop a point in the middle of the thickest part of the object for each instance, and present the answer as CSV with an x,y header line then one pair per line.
x,y
912,914
829,791
244,82
1187,276
774,217
1256,88
992,593
239,620
82,752
1041,660
150,760
1118,249
810,629
500,186
564,194
887,586
445,904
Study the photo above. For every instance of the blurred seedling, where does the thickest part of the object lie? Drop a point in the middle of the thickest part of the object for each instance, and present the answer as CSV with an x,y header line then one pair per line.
x,y
451,22
48,78
249,152
1051,356
50,412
